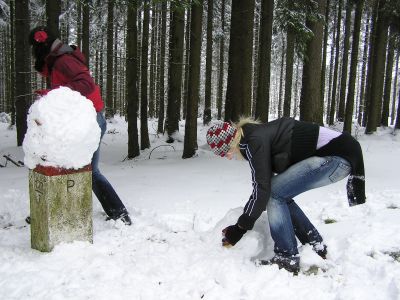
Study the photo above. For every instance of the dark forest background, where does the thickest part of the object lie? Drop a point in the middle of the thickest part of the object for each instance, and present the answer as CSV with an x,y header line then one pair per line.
x,y
324,61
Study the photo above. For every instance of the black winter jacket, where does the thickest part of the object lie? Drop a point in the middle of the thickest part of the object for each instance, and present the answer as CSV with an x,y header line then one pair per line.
x,y
275,146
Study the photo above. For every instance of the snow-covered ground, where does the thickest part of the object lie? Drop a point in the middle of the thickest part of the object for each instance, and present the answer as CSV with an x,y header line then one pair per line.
x,y
179,207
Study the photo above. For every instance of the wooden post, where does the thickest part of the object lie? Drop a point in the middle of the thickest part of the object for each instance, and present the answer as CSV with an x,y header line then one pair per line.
x,y
60,206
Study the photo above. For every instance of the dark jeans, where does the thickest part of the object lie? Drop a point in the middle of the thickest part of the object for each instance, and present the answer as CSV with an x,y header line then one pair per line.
x,y
103,190
286,219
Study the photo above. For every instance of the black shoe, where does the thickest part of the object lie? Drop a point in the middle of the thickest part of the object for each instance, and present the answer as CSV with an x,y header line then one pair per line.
x,y
28,219
321,249
124,218
289,263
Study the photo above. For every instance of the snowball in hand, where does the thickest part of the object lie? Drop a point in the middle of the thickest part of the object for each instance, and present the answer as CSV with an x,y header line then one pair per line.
x,y
62,131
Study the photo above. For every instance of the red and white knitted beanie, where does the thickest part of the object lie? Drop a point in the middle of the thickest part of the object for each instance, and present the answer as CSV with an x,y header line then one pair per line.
x,y
219,137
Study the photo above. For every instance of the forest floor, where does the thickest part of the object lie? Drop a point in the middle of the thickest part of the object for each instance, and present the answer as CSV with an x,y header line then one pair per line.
x,y
179,207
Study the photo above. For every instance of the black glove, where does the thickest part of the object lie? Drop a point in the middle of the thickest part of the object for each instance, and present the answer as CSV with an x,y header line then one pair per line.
x,y
232,234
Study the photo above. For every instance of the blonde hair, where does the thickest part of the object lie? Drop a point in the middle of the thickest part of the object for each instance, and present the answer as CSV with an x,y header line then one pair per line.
x,y
239,132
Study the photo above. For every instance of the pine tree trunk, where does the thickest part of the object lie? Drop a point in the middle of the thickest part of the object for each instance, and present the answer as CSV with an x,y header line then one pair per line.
x,y
378,70
12,62
346,48
153,52
363,73
209,50
187,67
310,99
296,88
110,67
161,93
331,67
397,126
190,142
353,67
22,67
332,108
238,92
371,50
221,62
144,132
264,61
290,38
115,71
78,23
101,75
139,46
131,80
256,50
388,78
324,53
393,114
53,11
175,71
85,30
4,66
281,79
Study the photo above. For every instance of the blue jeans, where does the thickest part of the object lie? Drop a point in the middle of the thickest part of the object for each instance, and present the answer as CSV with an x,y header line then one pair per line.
x,y
286,219
103,190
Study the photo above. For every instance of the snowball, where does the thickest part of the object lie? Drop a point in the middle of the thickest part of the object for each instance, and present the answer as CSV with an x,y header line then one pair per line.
x,y
62,131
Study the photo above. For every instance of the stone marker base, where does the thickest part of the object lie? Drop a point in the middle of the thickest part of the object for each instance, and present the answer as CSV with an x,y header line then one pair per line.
x,y
60,206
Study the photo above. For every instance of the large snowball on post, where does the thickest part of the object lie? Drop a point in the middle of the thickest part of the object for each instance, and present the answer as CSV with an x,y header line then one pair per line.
x,y
62,131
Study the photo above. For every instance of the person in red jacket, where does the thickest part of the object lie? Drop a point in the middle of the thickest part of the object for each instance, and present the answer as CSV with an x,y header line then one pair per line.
x,y
66,66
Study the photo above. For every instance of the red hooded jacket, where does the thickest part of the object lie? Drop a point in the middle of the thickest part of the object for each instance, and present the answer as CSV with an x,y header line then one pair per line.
x,y
67,67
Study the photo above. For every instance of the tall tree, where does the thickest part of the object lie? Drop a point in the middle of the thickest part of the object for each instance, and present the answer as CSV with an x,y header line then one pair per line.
x,y
332,108
346,48
187,67
238,92
388,77
144,131
256,50
161,93
132,80
153,51
331,67
53,11
371,49
393,114
22,67
190,142
110,63
12,62
397,125
78,23
209,50
310,101
363,71
221,62
378,69
290,44
264,60
353,66
175,69
324,52
85,29
281,79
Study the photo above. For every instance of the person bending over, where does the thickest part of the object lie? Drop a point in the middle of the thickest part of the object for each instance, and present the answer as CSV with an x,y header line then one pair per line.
x,y
65,65
288,157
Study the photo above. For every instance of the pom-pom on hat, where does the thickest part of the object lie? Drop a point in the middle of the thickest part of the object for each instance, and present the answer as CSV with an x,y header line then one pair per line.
x,y
41,35
219,137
